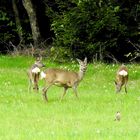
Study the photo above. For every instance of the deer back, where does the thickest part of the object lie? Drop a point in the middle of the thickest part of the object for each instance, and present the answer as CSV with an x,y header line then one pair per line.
x,y
61,77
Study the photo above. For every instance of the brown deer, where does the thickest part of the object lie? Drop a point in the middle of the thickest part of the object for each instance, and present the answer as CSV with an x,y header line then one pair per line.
x,y
121,78
64,78
34,74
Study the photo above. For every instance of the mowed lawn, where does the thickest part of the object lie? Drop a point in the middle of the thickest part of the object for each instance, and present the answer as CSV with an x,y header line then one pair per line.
x,y
26,116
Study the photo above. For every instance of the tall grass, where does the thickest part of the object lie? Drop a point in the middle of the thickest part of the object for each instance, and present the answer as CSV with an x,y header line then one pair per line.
x,y
26,115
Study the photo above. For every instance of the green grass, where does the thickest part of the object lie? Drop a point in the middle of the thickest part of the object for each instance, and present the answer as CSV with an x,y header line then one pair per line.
x,y
25,116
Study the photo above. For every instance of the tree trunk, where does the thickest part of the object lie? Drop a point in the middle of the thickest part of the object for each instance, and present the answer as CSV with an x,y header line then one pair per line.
x,y
33,21
17,20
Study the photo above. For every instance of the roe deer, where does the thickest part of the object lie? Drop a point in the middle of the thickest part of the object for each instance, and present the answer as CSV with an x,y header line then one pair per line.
x,y
34,74
64,78
121,78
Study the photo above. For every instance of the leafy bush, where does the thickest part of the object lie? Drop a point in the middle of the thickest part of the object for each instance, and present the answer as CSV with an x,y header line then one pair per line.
x,y
6,24
60,54
87,27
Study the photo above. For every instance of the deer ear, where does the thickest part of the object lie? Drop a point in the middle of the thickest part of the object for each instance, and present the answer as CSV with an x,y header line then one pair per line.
x,y
78,60
85,60
115,82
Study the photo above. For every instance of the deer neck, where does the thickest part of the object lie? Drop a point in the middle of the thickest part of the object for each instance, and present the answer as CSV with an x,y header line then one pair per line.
x,y
81,73
34,66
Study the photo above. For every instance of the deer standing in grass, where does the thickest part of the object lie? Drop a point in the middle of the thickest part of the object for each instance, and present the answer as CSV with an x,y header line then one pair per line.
x,y
34,74
64,78
121,78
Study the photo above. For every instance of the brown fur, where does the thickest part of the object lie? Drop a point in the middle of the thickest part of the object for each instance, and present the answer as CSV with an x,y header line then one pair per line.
x,y
61,77
64,78
34,77
120,79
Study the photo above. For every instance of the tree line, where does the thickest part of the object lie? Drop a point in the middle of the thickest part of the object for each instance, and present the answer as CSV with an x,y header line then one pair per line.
x,y
106,30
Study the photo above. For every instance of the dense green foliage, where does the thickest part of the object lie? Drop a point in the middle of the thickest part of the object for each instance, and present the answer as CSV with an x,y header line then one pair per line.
x,y
90,27
6,29
26,116
78,28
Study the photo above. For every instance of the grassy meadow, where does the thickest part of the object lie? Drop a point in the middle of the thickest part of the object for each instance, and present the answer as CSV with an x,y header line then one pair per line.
x,y
26,116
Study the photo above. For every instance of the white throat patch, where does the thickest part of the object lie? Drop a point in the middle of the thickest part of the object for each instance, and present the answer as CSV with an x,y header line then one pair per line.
x,y
36,70
123,73
43,75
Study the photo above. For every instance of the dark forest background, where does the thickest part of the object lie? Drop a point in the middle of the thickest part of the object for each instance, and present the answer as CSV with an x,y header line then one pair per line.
x,y
105,30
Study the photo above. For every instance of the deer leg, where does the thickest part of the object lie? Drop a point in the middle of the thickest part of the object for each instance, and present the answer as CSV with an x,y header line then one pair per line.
x,y
30,85
44,95
125,89
65,89
45,92
75,90
36,87
118,90
36,79
118,87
